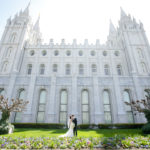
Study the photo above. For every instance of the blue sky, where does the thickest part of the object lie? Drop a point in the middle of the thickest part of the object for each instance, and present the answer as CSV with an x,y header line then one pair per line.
x,y
79,19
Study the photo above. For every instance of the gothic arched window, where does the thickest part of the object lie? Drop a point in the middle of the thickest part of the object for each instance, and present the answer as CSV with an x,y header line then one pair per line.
x,y
68,69
42,69
119,70
94,68
12,38
8,52
18,115
29,69
41,106
128,108
56,53
106,69
63,106
107,107
4,68
81,69
144,68
85,107
140,53
55,67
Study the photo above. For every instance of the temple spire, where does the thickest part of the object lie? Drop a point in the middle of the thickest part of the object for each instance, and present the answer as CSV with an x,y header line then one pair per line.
x,y
111,28
26,11
123,14
36,26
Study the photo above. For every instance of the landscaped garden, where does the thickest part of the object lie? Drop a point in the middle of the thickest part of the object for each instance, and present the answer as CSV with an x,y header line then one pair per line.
x,y
46,136
31,138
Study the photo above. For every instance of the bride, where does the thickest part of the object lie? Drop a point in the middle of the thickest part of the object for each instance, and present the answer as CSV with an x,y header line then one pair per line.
x,y
71,126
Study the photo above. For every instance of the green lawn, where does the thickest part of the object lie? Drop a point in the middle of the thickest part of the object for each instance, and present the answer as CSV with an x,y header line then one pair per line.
x,y
32,132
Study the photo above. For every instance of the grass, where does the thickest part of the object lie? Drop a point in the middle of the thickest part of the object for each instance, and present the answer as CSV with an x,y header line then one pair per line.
x,y
32,132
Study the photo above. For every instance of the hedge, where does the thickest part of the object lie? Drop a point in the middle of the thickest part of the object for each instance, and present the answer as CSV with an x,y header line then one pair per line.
x,y
39,125
146,128
87,126
80,126
121,126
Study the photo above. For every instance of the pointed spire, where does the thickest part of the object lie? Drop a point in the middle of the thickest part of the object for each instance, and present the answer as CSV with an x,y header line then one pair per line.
x,y
9,21
26,11
28,5
123,14
112,29
36,26
20,13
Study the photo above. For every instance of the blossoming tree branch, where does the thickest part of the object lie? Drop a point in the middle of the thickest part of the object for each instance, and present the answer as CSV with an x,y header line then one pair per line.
x,y
142,106
6,108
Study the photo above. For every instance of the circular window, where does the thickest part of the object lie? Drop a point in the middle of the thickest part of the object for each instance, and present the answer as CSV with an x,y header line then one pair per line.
x,y
104,53
80,53
32,52
68,53
92,53
44,53
56,53
116,53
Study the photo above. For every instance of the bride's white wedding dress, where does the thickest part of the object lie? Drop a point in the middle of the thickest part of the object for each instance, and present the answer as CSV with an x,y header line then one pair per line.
x,y
70,131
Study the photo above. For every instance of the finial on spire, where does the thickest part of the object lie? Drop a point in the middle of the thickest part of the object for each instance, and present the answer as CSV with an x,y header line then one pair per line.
x,y
123,14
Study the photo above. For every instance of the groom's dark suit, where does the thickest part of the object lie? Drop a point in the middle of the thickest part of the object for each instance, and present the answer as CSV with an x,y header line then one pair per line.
x,y
75,128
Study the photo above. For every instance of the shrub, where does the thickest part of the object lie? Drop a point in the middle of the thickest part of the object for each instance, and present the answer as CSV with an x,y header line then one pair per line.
x,y
84,126
146,128
6,128
120,126
39,125
147,115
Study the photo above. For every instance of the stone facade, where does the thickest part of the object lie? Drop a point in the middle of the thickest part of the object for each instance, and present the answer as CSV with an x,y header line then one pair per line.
x,y
91,81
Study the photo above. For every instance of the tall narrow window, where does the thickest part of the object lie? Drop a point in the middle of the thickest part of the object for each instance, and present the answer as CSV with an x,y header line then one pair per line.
x,y
128,108
13,38
42,69
107,107
55,68
5,66
63,106
85,107
140,53
119,70
8,52
106,70
144,68
18,115
2,92
94,68
41,106
29,69
68,69
81,69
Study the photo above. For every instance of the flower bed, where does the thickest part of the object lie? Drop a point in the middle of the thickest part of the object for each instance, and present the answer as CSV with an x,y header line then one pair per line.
x,y
73,143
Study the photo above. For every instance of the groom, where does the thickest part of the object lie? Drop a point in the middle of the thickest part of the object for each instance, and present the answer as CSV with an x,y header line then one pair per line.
x,y
75,122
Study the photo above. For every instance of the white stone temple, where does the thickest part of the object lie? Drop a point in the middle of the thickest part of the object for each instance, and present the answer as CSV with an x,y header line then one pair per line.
x,y
91,81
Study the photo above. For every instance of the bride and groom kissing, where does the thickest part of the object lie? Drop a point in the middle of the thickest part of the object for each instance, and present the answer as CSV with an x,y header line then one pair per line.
x,y
72,125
